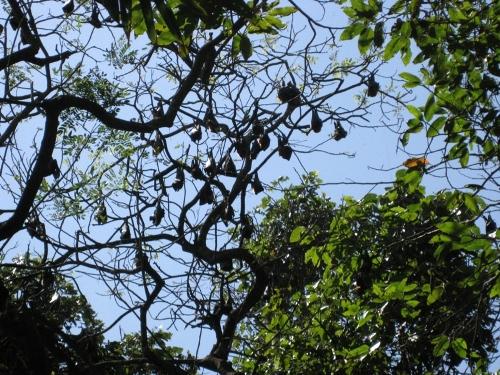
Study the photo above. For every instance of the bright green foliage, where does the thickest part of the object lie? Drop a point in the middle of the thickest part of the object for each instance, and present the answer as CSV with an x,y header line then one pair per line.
x,y
397,283
174,22
456,46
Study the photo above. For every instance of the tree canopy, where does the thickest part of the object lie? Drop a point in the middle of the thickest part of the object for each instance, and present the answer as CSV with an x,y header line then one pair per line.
x,y
394,285
133,134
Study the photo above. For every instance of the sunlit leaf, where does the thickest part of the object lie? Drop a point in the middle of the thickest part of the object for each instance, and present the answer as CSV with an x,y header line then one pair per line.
x,y
459,345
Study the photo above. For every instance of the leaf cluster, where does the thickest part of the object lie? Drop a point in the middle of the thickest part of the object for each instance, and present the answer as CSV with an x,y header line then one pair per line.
x,y
403,282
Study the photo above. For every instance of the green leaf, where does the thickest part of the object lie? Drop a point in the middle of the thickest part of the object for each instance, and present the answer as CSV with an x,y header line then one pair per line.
x,y
435,295
395,44
438,238
458,150
414,126
406,53
168,16
436,126
265,25
405,30
312,256
471,204
275,22
495,291
410,79
456,14
297,233
459,345
451,227
351,31
326,258
430,108
137,20
464,158
390,49
405,139
412,303
414,111
358,5
235,47
475,245
365,40
351,309
359,351
165,37
441,344
349,12
412,178
282,11
246,47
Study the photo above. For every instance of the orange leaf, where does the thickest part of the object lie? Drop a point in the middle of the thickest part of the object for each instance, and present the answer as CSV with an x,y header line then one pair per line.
x,y
412,163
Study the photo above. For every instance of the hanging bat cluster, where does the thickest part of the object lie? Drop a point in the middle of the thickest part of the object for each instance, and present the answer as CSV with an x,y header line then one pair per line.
x,y
257,185
26,37
378,35
264,141
228,167
206,70
101,215
179,179
157,144
490,226
210,166
206,195
373,86
284,149
247,227
195,133
94,17
210,121
158,112
316,122
241,147
16,20
35,227
397,25
257,128
196,171
362,281
53,169
339,132
140,259
125,231
227,213
68,7
289,94
226,265
254,150
158,214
